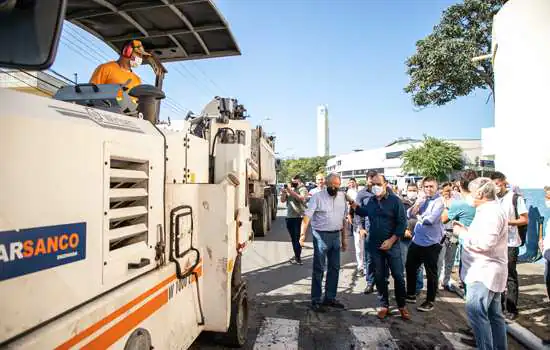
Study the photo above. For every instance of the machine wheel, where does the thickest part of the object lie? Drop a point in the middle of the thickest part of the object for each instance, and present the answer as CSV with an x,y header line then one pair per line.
x,y
238,325
140,339
259,226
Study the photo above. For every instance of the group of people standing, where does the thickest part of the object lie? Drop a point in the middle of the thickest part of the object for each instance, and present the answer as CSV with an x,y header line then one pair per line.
x,y
478,218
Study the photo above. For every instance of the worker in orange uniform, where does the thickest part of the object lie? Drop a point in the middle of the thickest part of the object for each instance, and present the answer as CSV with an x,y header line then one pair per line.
x,y
120,71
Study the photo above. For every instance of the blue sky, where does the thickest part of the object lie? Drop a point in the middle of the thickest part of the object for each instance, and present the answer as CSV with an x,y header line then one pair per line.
x,y
297,54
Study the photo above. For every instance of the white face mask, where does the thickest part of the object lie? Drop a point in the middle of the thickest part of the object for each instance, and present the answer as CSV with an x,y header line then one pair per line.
x,y
412,195
547,202
135,61
377,190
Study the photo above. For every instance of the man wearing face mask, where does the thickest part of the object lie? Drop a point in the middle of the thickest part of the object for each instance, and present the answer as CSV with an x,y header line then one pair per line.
x,y
387,223
295,197
120,71
426,243
410,199
361,228
518,218
327,211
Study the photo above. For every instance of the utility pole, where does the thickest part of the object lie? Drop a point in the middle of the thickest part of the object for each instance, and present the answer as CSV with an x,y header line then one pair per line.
x,y
76,78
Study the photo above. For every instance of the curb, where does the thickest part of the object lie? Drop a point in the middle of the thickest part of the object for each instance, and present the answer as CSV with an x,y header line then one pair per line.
x,y
520,333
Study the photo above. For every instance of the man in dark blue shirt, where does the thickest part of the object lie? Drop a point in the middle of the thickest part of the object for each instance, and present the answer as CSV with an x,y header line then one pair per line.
x,y
388,220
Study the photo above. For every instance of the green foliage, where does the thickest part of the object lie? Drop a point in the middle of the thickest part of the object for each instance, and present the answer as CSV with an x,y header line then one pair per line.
x,y
305,167
434,157
361,182
442,69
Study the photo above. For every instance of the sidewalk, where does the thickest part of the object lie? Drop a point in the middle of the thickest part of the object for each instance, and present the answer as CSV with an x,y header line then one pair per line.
x,y
534,308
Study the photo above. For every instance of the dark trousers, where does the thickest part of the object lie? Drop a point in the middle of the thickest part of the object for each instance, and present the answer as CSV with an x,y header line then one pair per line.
x,y
384,260
370,268
547,277
294,225
417,256
510,297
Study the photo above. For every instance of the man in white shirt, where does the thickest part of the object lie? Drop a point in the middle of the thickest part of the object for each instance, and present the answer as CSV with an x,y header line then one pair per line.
x,y
516,212
484,264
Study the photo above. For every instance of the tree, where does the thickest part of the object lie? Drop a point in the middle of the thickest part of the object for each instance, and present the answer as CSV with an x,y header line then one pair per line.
x,y
434,157
442,69
305,167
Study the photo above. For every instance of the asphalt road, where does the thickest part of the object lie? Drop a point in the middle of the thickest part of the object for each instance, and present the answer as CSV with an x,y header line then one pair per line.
x,y
280,318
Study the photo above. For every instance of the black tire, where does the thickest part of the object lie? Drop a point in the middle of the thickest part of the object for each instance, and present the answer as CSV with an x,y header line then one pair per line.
x,y
259,226
237,333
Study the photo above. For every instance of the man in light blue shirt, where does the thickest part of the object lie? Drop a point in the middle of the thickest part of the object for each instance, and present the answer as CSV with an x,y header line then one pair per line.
x,y
327,210
426,242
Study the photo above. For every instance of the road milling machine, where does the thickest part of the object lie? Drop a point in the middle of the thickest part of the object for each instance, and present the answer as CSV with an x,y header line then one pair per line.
x,y
117,231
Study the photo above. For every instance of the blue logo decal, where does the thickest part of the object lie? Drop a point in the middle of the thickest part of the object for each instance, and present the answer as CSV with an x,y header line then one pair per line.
x,y
40,248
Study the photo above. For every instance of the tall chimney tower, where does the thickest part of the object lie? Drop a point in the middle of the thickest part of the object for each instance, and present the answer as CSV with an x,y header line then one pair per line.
x,y
322,131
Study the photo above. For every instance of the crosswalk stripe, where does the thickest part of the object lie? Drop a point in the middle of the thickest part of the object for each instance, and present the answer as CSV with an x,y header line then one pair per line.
x,y
278,334
373,338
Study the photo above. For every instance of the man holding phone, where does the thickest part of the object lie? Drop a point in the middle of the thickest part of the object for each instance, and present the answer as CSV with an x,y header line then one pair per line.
x,y
295,195
388,221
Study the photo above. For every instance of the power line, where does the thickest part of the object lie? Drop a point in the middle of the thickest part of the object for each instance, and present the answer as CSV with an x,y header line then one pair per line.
x,y
66,42
209,79
87,44
62,76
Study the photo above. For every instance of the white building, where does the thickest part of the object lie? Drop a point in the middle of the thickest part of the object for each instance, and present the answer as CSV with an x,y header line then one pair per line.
x,y
322,131
387,160
38,83
519,141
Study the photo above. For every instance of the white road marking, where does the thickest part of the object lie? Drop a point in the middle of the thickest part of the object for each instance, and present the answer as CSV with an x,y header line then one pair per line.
x,y
278,334
455,340
373,338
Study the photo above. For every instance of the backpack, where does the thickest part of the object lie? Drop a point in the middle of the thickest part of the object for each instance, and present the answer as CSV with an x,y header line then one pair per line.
x,y
522,230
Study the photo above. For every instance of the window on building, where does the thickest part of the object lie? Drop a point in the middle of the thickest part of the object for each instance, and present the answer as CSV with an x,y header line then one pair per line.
x,y
393,155
347,173
378,170
339,163
360,172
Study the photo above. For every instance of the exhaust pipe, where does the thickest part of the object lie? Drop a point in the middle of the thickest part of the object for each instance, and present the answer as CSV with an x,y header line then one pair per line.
x,y
149,98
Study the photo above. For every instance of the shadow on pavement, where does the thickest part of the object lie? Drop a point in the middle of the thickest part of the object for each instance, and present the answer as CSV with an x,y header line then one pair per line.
x,y
331,330
533,305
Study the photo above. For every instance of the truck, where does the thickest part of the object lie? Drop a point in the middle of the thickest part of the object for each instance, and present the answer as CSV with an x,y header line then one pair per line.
x,y
118,231
262,165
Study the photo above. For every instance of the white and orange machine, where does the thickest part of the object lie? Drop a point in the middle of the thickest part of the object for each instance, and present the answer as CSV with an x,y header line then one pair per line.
x,y
116,231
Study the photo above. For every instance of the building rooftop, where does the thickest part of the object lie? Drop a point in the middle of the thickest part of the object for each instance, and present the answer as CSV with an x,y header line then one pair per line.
x,y
39,83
